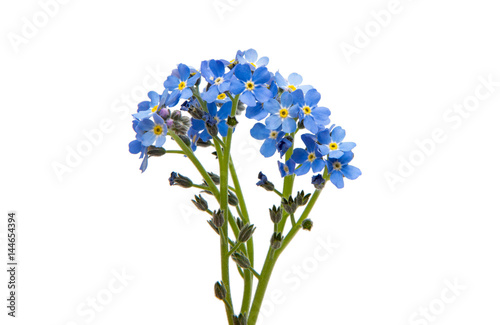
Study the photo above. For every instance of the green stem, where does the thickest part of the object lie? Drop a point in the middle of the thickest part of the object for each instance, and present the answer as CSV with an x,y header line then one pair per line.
x,y
234,249
272,257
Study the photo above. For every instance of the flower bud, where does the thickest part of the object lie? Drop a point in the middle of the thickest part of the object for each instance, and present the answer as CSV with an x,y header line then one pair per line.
x,y
276,240
239,223
318,181
232,199
284,144
240,320
289,205
156,151
211,125
275,214
302,199
218,218
246,233
185,139
200,203
231,122
215,178
178,179
196,112
307,224
211,223
263,182
220,290
241,260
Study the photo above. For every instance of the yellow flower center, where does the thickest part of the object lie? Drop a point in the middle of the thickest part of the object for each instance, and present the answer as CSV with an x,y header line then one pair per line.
x,y
218,81
182,85
154,109
253,64
221,96
158,129
273,134
337,165
286,169
292,87
306,109
283,113
311,157
250,85
333,146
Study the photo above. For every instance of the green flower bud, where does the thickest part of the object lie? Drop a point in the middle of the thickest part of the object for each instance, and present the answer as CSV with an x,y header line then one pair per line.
x,y
185,139
156,151
302,199
232,122
215,178
276,240
200,203
289,205
211,223
239,223
178,179
275,214
232,199
240,320
307,224
246,233
241,260
220,290
218,218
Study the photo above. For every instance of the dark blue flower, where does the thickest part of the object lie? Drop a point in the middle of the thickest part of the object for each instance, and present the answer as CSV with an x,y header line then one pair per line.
x,y
287,168
271,137
283,145
310,157
310,114
340,168
251,86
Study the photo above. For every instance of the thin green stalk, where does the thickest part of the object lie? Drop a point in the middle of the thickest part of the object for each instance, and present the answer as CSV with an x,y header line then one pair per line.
x,y
272,257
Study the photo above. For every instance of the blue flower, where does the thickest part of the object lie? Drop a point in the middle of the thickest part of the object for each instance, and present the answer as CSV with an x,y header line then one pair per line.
x,y
219,116
283,145
310,157
260,132
331,142
310,114
155,132
135,147
197,131
340,168
250,56
258,112
292,84
214,72
318,181
156,103
287,168
281,114
180,82
252,87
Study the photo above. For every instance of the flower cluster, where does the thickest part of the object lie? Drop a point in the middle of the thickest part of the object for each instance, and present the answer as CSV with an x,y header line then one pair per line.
x,y
282,107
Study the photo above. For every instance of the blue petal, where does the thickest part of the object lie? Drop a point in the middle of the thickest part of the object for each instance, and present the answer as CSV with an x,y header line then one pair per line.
x,y
212,109
256,112
272,106
295,79
337,179
299,155
223,128
225,110
236,87
280,80
318,165
338,134
351,172
262,94
186,93
289,125
243,72
251,55
211,95
148,138
146,125
158,119
268,148
260,132
346,158
248,98
304,169
324,137
261,75
160,141
135,147
217,68
312,97
310,124
298,97
184,71
347,146
309,141
336,154
273,122
286,100
171,83
262,62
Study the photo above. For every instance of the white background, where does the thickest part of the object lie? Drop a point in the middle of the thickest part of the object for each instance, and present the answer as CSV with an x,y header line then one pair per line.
x,y
395,247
